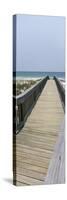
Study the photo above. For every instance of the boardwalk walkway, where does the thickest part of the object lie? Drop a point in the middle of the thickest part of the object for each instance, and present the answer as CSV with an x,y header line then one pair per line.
x,y
36,141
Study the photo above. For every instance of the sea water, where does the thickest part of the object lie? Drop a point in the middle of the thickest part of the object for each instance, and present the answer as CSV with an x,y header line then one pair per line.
x,y
30,74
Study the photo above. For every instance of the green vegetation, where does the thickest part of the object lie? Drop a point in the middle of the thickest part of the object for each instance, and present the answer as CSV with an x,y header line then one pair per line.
x,y
23,85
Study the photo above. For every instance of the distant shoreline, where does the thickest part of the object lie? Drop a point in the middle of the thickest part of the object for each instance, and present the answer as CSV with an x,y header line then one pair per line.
x,y
35,78
27,78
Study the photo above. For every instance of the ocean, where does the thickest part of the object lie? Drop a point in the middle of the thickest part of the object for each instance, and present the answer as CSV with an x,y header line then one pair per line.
x,y
30,74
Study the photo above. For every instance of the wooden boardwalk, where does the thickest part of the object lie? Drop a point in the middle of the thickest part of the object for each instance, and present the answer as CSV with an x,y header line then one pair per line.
x,y
35,143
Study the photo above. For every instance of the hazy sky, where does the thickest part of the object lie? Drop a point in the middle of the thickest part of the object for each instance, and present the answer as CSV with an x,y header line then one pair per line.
x,y
40,43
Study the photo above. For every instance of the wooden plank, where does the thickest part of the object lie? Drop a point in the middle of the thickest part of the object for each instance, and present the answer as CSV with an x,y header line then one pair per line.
x,y
31,173
29,180
18,183
56,171
36,141
42,170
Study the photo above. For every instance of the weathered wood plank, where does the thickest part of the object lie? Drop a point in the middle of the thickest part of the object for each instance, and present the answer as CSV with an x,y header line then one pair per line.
x,y
56,171
35,143
29,180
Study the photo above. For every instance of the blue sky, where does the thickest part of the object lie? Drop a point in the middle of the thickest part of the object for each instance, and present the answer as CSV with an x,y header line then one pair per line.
x,y
40,43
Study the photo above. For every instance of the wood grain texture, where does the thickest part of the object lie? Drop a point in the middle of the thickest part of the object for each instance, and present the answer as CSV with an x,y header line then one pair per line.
x,y
56,170
35,143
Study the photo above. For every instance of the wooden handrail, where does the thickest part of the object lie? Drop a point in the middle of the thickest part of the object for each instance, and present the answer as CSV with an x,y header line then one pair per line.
x,y
24,103
61,91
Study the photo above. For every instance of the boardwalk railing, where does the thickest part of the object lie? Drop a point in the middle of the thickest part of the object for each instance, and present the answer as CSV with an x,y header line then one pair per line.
x,y
61,91
24,103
